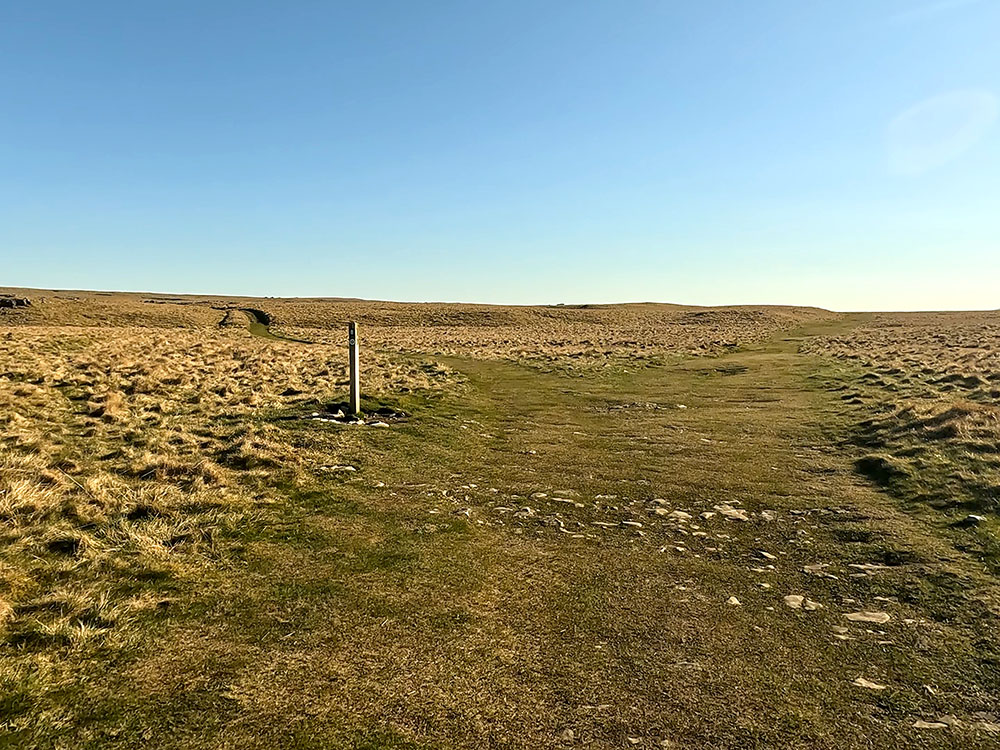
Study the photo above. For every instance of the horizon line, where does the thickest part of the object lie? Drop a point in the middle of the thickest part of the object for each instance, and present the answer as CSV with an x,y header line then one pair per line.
x,y
487,304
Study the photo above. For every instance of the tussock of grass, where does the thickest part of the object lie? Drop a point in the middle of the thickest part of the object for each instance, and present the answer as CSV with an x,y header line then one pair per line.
x,y
932,383
131,459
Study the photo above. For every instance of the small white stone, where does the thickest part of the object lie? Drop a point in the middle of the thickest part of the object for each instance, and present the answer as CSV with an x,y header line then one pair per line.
x,y
862,682
733,514
876,617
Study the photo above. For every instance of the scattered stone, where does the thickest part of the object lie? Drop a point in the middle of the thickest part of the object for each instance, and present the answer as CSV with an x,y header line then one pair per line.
x,y
632,524
660,512
733,601
840,629
680,515
862,682
769,515
733,514
879,618
817,570
766,555
794,601
568,735
921,724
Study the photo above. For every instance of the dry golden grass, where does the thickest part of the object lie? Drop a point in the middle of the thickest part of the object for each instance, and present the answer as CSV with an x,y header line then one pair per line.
x,y
950,352
133,449
125,439
187,562
590,334
129,448
932,383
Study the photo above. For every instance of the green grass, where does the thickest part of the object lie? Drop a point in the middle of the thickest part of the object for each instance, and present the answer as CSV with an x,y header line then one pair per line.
x,y
401,605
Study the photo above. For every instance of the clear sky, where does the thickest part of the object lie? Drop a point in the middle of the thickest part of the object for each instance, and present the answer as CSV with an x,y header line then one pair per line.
x,y
842,153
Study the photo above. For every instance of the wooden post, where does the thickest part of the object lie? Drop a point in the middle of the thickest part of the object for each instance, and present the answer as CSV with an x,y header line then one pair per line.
x,y
352,343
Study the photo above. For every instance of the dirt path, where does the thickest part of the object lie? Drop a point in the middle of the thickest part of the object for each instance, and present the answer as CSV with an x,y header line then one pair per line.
x,y
551,561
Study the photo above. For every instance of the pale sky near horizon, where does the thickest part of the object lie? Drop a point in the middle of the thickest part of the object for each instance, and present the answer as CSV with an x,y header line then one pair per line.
x,y
844,154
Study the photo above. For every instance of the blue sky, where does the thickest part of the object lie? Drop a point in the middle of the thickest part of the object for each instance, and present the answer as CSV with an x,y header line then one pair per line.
x,y
844,153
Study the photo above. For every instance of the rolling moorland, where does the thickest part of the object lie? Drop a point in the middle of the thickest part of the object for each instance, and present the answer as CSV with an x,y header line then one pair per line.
x,y
643,525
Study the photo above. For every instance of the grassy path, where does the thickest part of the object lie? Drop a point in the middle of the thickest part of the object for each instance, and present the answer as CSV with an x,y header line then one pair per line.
x,y
259,324
526,564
